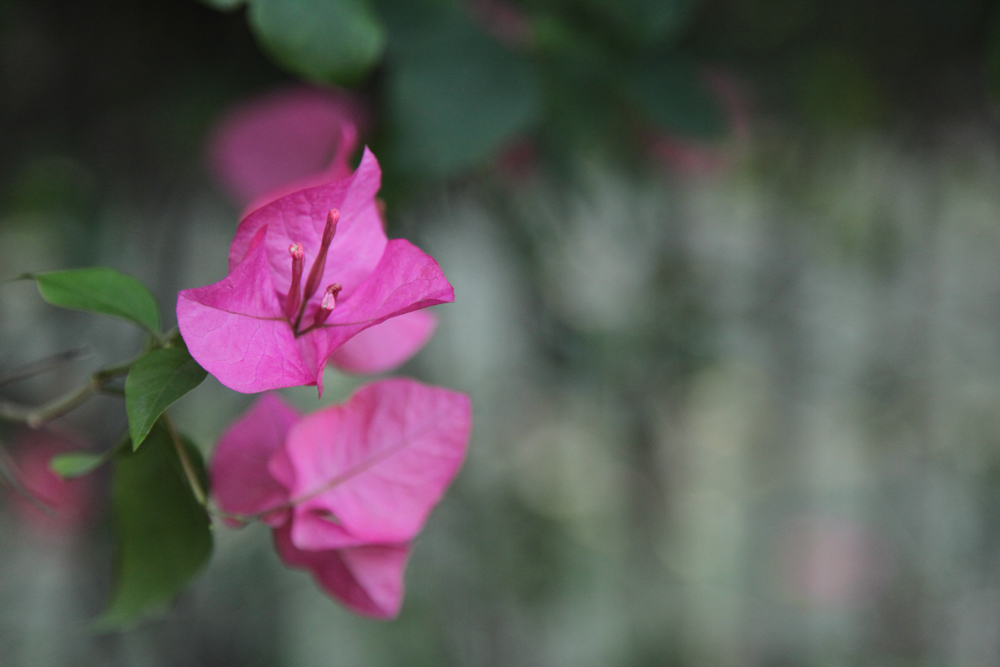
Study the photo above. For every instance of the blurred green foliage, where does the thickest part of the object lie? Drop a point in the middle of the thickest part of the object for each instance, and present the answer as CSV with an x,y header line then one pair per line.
x,y
319,40
453,95
453,85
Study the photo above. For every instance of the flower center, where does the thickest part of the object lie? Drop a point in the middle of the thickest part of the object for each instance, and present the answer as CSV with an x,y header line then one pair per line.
x,y
298,295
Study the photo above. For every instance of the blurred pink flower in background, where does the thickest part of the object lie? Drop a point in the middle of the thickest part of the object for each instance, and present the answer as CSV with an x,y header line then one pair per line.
x,y
503,20
284,141
300,137
307,272
701,158
518,160
830,561
347,488
68,504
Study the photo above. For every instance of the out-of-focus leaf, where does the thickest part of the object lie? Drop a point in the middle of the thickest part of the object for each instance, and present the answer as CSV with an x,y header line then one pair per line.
x,y
671,94
155,382
100,290
455,96
837,89
224,5
993,57
75,464
580,75
647,21
320,40
163,536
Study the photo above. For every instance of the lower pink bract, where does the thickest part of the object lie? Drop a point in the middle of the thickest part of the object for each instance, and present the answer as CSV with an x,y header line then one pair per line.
x,y
348,487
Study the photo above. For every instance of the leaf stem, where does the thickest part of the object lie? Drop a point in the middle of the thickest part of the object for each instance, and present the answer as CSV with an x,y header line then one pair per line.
x,y
189,472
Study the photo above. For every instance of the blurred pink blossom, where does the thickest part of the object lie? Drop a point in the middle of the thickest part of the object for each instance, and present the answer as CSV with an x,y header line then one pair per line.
x,y
307,272
284,141
700,158
831,561
61,507
519,160
504,21
347,488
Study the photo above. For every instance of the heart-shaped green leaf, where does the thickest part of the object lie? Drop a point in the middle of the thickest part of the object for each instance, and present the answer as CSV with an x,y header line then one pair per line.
x,y
163,536
100,290
155,382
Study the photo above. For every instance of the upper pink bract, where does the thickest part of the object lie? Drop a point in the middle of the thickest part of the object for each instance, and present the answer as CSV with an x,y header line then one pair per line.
x,y
283,141
346,488
237,329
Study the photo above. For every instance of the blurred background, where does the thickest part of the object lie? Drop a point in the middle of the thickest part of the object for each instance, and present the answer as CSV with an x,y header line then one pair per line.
x,y
728,306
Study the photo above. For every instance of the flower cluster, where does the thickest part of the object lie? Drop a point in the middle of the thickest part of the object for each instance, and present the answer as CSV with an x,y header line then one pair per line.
x,y
312,281
346,488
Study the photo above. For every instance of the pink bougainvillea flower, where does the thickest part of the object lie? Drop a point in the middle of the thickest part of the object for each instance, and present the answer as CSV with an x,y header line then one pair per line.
x,y
284,141
346,488
296,138
378,464
307,272
57,507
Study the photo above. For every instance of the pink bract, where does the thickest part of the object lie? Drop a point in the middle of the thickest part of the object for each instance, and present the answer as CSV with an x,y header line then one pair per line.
x,y
346,488
249,330
386,346
378,464
240,480
284,141
366,579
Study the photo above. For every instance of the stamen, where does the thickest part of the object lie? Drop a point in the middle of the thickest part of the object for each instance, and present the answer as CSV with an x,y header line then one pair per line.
x,y
316,272
293,300
328,303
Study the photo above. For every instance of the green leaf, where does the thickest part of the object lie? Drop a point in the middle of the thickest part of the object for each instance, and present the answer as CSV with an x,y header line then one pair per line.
x,y
455,96
163,536
100,290
75,464
670,93
647,21
155,382
321,40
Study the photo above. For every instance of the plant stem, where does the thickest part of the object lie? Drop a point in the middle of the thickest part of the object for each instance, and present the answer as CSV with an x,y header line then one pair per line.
x,y
189,472
42,365
35,417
